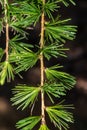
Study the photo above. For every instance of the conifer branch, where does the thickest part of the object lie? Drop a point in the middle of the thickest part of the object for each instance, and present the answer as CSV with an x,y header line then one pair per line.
x,y
42,65
53,33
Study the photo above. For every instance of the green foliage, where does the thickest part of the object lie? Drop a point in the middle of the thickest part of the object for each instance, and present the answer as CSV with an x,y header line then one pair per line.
x,y
54,89
24,16
66,3
59,30
18,17
28,123
67,80
17,46
24,60
25,96
6,72
50,7
54,50
1,25
43,127
1,53
59,116
21,55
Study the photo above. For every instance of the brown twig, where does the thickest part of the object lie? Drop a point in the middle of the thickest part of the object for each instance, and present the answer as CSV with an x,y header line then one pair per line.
x,y
7,29
42,67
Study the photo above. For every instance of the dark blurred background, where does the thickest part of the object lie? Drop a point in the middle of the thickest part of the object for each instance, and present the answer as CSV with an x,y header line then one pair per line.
x,y
75,64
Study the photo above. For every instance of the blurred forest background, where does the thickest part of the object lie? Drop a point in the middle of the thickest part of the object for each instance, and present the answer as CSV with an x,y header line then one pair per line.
x,y
75,64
